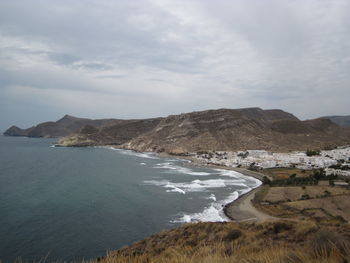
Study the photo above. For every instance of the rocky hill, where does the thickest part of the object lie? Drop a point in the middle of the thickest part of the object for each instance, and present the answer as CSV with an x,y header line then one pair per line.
x,y
63,127
340,120
223,129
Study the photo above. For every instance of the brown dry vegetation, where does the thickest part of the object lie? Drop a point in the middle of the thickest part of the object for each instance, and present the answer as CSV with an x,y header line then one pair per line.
x,y
284,173
283,241
223,129
313,202
294,193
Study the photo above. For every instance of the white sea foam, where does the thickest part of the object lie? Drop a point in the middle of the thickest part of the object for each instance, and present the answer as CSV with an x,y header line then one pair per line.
x,y
174,189
156,183
225,178
212,213
142,163
197,185
212,197
229,173
253,182
132,153
232,197
179,169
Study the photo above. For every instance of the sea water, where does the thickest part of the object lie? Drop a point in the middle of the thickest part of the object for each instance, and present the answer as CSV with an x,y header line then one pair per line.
x,y
78,203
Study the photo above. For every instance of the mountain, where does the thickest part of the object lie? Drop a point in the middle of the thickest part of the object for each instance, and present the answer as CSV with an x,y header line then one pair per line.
x,y
340,120
63,127
222,129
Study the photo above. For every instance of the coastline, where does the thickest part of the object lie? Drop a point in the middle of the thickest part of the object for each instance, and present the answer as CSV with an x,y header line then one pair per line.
x,y
240,209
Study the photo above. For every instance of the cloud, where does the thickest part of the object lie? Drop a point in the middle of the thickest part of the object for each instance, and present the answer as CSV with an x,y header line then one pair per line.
x,y
152,58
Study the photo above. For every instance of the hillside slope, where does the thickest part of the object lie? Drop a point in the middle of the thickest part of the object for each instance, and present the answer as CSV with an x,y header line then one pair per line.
x,y
223,129
63,127
271,242
340,120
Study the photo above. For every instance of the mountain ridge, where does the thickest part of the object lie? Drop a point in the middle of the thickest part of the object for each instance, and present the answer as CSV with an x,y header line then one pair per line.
x,y
62,127
218,129
221,129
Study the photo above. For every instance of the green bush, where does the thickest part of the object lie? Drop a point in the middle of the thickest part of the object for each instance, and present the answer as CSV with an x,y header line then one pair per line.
x,y
312,152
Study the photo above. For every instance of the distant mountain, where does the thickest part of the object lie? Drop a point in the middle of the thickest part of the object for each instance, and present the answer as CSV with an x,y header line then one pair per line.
x,y
223,129
63,127
340,120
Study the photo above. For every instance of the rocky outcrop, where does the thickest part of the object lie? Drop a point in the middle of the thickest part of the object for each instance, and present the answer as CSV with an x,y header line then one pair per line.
x,y
63,127
16,131
223,129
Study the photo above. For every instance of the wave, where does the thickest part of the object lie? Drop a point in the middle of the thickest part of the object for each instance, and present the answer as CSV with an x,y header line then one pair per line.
x,y
174,189
233,174
131,153
223,178
212,213
197,185
211,197
179,169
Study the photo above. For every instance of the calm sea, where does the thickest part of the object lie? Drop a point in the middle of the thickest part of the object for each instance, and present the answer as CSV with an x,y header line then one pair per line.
x,y
74,203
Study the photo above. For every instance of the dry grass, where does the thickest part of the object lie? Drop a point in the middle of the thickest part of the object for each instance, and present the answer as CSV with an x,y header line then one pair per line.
x,y
312,202
332,206
294,193
242,243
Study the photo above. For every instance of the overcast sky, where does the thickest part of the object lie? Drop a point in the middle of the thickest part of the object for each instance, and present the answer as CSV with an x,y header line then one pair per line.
x,y
138,58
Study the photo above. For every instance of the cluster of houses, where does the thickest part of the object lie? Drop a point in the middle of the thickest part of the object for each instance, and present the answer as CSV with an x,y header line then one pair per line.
x,y
338,158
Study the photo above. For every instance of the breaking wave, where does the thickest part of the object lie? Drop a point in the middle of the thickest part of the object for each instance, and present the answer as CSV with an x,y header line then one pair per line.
x,y
179,169
132,153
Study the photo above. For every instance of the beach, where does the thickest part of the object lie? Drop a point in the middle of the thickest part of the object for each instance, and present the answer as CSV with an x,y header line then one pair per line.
x,y
240,209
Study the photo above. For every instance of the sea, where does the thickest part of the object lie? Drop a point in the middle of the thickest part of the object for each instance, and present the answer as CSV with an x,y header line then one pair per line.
x,y
67,203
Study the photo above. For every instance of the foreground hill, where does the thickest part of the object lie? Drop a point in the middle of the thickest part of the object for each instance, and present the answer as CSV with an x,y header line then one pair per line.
x,y
223,129
270,242
340,120
63,127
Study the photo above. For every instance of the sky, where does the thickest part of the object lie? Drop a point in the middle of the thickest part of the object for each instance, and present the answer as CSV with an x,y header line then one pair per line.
x,y
139,58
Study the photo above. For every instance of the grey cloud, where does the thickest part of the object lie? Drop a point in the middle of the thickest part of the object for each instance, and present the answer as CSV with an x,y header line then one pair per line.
x,y
161,57
111,76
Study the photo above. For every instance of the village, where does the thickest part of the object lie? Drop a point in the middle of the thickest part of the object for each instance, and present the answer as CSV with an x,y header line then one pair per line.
x,y
334,162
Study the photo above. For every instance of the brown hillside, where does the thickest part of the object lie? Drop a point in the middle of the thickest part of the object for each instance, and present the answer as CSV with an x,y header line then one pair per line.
x,y
223,129
63,127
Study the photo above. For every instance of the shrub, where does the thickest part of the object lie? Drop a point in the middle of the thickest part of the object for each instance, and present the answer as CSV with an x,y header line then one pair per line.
x,y
305,197
326,193
266,180
233,235
280,227
340,218
312,152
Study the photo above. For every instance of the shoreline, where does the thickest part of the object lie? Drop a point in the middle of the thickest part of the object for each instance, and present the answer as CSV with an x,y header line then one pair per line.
x,y
240,209
237,210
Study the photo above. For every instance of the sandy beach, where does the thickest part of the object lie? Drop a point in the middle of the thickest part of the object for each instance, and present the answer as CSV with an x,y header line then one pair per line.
x,y
241,209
